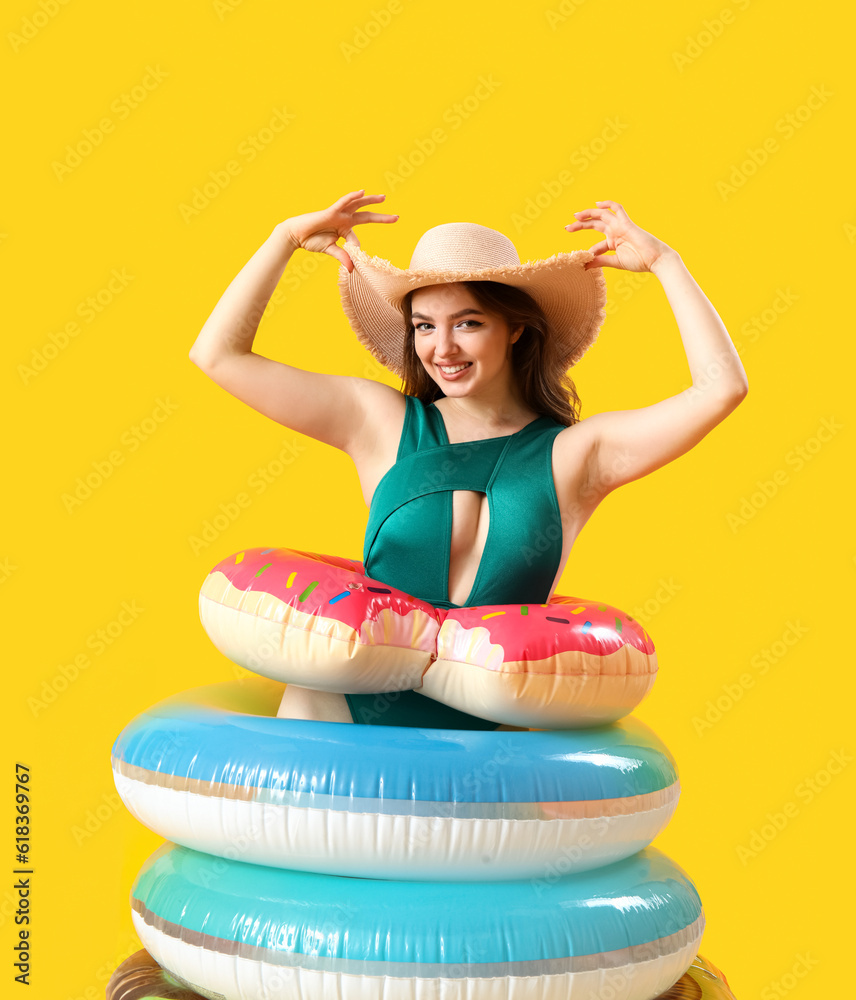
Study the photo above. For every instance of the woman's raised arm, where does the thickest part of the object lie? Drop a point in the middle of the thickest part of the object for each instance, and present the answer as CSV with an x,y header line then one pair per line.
x,y
628,444
329,408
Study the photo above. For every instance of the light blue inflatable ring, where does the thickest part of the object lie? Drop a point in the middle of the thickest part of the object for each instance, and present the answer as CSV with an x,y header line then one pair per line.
x,y
213,769
629,929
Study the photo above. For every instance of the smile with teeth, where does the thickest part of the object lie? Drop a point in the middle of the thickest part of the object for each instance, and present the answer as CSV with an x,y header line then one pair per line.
x,y
450,370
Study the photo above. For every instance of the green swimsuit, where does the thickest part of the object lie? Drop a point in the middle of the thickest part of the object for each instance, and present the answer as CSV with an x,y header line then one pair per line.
x,y
411,513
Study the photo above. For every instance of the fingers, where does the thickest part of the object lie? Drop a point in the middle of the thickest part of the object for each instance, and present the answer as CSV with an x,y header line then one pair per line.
x,y
353,200
351,237
602,261
372,217
341,202
602,214
614,205
602,219
600,247
357,199
584,224
349,203
367,200
604,211
341,255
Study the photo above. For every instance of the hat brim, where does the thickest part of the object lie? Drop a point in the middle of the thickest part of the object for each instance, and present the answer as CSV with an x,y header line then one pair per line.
x,y
572,299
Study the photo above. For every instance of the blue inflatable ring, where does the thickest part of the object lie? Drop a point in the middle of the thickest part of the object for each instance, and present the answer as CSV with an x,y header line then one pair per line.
x,y
213,769
630,929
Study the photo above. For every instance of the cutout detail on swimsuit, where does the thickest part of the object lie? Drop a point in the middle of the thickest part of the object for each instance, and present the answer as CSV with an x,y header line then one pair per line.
x,y
409,535
413,504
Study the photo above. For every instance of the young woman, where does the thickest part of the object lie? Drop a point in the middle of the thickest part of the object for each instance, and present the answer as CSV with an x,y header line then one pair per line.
x,y
480,474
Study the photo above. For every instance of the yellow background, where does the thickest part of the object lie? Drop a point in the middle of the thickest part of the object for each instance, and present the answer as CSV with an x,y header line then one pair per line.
x,y
688,101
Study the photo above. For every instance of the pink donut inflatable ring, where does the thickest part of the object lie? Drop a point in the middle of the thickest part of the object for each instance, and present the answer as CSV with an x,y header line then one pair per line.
x,y
319,622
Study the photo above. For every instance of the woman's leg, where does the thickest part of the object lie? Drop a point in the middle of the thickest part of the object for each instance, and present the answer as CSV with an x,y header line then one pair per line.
x,y
319,706
324,706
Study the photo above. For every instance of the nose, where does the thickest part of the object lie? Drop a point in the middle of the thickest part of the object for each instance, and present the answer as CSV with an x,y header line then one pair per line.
x,y
446,344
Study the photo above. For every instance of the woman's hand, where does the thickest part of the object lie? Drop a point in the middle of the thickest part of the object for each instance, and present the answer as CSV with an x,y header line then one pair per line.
x,y
635,250
318,231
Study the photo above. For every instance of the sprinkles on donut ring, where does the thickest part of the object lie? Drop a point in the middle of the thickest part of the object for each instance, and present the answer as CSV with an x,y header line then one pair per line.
x,y
318,621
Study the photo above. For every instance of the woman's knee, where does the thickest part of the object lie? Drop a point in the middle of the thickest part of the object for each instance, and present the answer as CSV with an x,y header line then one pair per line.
x,y
317,706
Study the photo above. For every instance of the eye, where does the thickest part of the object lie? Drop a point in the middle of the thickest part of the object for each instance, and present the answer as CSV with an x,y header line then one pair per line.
x,y
418,326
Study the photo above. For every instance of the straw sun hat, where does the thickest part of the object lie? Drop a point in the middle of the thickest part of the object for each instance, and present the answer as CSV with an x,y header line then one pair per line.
x,y
572,298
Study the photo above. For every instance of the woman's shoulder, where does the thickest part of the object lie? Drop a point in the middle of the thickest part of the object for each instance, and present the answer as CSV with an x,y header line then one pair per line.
x,y
378,397
378,411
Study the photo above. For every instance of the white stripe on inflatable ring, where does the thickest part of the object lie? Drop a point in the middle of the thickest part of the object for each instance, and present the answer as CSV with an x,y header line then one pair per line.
x,y
139,977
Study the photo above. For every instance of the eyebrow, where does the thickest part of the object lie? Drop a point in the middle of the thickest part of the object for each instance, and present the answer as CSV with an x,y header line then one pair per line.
x,y
462,312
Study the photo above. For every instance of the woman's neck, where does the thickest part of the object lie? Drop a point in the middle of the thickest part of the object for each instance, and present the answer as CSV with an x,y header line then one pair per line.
x,y
492,417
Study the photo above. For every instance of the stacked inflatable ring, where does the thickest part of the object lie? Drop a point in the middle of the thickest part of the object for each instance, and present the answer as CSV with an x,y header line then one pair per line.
x,y
140,977
320,859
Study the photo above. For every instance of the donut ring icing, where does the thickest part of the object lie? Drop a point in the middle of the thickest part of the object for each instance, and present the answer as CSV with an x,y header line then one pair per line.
x,y
319,622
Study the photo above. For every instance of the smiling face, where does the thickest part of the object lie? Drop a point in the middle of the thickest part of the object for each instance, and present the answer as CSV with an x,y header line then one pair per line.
x,y
452,331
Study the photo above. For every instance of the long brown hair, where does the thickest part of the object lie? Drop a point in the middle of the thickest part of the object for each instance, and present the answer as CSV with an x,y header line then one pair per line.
x,y
541,376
